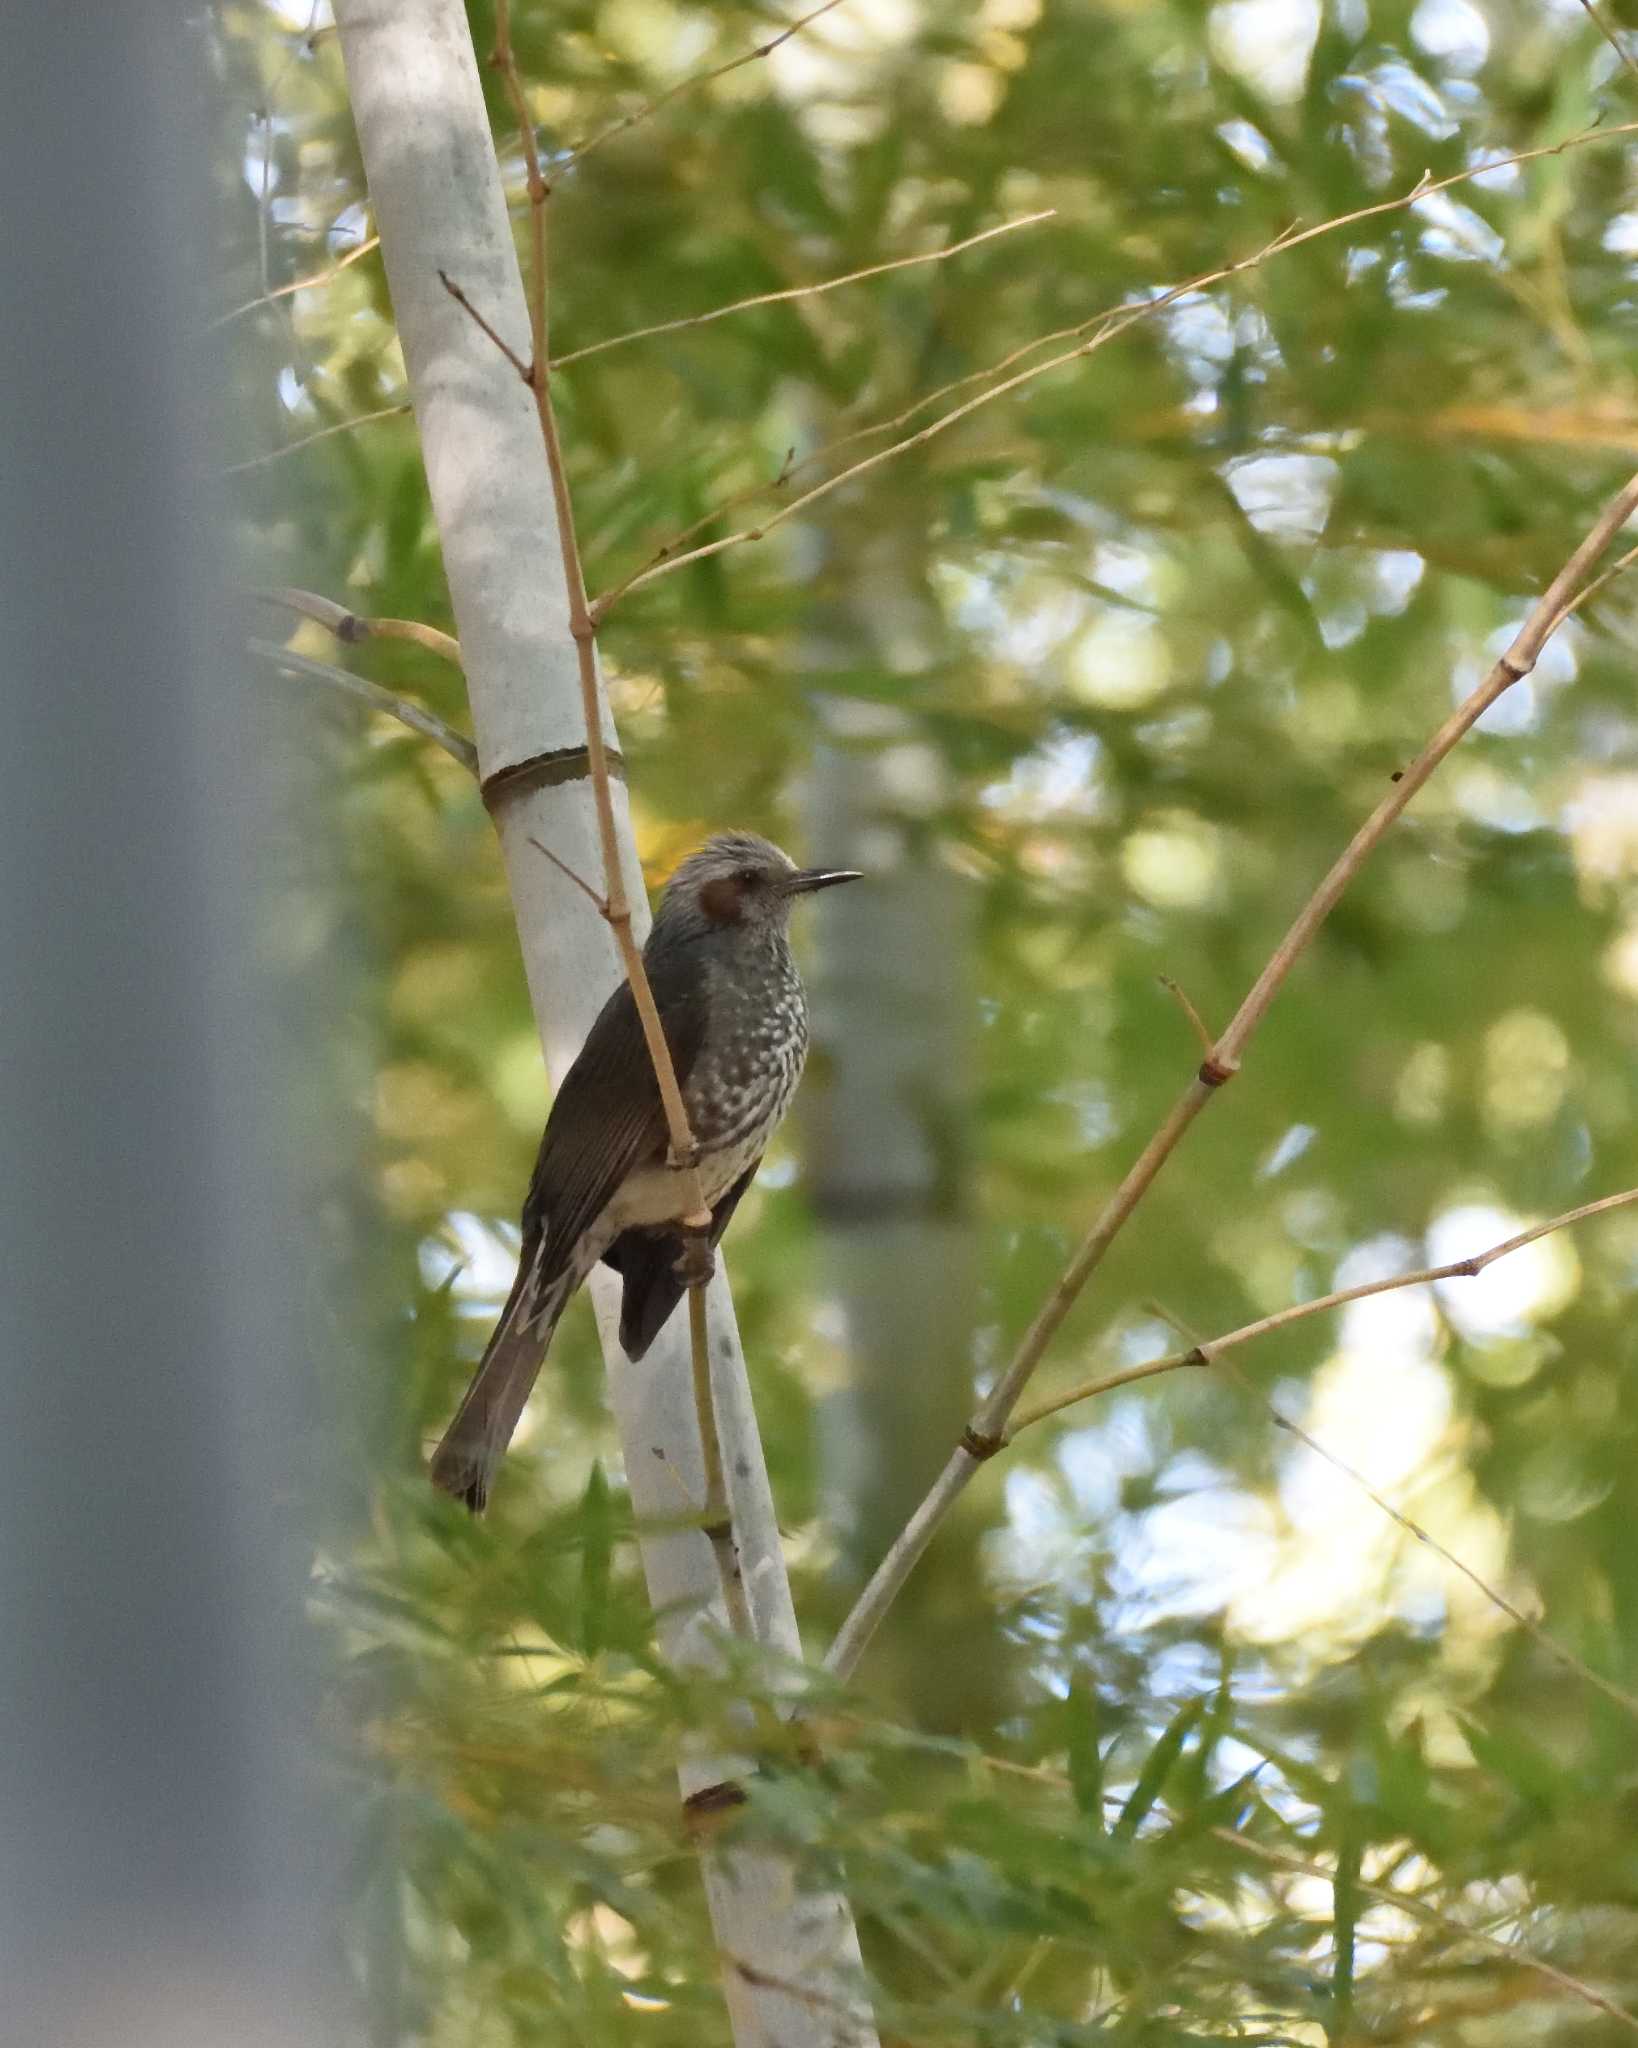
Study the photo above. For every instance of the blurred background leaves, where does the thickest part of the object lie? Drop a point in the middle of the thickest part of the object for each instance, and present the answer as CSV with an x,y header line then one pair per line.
x,y
1095,685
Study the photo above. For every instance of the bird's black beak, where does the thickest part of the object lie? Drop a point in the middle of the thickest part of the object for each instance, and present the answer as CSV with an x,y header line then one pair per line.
x,y
806,880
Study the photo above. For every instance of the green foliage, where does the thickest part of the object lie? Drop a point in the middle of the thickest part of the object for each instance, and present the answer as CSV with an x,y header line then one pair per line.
x,y
1196,595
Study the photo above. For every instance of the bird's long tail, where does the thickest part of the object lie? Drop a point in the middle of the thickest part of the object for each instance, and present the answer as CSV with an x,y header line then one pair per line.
x,y
474,1443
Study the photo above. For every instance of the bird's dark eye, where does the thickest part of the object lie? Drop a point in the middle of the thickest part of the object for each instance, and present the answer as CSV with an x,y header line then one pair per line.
x,y
747,878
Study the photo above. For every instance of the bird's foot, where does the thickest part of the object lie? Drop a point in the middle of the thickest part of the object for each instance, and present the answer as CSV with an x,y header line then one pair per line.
x,y
696,1263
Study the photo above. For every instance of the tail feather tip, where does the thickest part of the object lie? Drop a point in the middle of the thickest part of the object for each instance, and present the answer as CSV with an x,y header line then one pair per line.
x,y
462,1479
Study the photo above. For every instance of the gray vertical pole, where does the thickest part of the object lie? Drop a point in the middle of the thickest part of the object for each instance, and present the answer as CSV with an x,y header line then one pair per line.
x,y
150,1838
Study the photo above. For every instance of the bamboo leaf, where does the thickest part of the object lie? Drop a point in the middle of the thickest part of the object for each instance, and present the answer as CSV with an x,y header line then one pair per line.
x,y
1344,1924
1085,1760
1157,1768
596,1553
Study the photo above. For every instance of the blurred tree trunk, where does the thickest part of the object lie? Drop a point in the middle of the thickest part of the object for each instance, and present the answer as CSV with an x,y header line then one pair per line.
x,y
165,1864
887,1110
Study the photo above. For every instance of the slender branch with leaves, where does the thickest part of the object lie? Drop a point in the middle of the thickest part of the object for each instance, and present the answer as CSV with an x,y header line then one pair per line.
x,y
986,1432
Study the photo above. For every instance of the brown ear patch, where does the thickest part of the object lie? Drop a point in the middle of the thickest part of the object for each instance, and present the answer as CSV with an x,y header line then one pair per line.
x,y
723,899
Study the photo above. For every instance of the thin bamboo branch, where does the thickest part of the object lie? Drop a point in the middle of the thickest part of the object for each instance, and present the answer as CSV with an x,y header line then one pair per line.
x,y
1623,55
985,1433
506,63
571,874
264,206
1197,1023
363,419
1512,667
407,712
349,626
1292,237
678,541
774,483
684,1151
1210,1349
801,291
651,107
264,197
1605,576
1128,1376
298,284
869,462
1628,1702
582,627
474,313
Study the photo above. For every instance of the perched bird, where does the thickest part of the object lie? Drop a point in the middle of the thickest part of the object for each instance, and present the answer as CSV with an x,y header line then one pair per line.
x,y
735,1018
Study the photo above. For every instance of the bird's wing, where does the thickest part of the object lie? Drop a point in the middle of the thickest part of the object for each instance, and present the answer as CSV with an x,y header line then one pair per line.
x,y
607,1117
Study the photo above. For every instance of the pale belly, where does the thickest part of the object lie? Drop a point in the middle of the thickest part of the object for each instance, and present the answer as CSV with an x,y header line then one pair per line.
x,y
657,1195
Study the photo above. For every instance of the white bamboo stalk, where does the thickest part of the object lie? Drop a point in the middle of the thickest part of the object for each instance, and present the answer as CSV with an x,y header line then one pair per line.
x,y
789,1961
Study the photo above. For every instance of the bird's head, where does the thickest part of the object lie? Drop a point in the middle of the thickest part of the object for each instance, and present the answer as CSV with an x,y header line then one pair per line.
x,y
738,881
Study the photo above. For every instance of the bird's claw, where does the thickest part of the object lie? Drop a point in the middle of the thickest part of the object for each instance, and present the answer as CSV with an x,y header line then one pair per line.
x,y
696,1263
